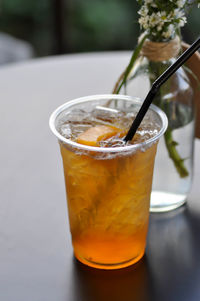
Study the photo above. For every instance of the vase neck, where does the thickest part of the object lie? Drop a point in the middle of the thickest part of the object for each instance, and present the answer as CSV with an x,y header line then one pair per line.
x,y
161,51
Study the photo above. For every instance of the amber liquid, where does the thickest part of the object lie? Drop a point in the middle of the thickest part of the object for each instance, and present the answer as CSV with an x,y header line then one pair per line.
x,y
108,204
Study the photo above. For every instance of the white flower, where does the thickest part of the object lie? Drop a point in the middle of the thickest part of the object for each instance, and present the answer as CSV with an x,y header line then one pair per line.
x,y
151,3
154,19
143,11
162,18
180,3
159,27
182,21
170,31
143,21
178,13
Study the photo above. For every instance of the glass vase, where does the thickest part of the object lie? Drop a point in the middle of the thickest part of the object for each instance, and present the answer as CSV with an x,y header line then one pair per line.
x,y
174,163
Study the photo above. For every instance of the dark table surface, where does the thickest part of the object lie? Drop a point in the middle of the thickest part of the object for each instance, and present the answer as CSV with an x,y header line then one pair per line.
x,y
36,258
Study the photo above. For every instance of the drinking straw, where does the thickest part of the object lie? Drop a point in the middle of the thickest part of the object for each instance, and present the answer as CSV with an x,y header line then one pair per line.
x,y
156,85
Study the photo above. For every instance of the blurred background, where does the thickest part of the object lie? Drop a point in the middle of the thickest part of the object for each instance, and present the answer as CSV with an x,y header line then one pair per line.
x,y
36,28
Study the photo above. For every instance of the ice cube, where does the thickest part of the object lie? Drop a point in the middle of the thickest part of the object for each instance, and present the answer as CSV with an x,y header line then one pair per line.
x,y
65,131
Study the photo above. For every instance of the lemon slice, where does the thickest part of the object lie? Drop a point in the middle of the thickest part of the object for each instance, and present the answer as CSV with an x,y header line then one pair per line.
x,y
97,133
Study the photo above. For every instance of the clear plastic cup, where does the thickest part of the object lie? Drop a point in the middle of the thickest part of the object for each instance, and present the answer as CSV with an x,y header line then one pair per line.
x,y
108,189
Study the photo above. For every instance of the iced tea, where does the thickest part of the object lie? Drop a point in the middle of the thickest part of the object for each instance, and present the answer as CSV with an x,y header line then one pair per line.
x,y
108,182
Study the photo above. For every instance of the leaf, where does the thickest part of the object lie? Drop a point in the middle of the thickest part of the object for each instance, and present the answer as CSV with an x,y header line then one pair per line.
x,y
174,143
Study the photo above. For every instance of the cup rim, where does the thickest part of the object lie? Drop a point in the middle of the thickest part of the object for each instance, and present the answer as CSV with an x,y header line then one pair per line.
x,y
132,147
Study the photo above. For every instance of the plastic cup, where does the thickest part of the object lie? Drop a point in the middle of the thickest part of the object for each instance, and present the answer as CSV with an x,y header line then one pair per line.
x,y
108,189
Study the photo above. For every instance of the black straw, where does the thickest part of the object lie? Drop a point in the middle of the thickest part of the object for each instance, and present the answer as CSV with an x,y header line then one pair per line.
x,y
156,85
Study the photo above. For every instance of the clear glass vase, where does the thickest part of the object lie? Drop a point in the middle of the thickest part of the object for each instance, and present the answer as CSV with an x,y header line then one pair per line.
x,y
174,161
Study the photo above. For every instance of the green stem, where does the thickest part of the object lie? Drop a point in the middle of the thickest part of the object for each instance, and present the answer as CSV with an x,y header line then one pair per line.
x,y
128,69
171,144
174,155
